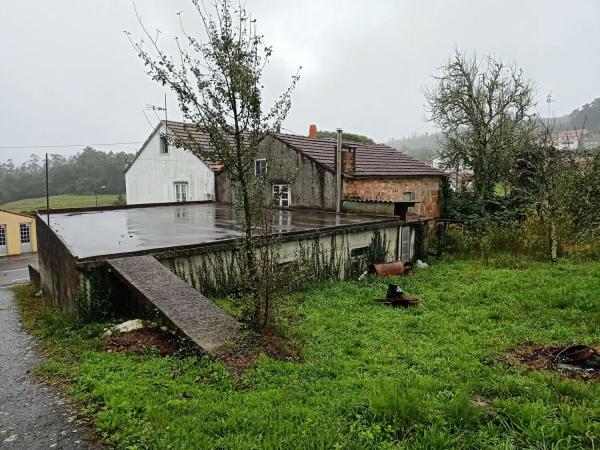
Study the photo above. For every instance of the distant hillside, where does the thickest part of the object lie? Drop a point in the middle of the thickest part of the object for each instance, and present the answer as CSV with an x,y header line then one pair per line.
x,y
425,146
422,146
587,116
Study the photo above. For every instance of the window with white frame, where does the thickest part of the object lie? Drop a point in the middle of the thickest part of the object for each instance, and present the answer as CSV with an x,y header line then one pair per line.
x,y
281,195
2,235
260,166
181,191
164,145
407,243
25,230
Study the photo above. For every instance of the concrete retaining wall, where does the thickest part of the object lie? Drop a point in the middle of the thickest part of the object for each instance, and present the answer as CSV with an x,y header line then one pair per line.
x,y
219,264
59,276
88,289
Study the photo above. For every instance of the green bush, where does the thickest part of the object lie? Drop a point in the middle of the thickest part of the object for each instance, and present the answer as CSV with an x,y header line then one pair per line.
x,y
510,244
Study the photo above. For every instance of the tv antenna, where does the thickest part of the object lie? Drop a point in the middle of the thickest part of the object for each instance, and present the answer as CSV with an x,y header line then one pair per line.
x,y
155,108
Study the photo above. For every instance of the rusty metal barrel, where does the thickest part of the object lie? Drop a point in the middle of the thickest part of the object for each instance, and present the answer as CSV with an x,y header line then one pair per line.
x,y
387,268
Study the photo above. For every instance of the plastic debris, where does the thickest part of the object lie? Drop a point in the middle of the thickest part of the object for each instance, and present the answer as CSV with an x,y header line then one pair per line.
x,y
129,325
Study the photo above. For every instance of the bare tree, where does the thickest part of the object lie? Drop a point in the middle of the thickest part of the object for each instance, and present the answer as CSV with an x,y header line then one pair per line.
x,y
484,112
217,79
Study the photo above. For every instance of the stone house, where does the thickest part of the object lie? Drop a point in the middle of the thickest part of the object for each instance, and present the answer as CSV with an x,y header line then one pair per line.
x,y
374,178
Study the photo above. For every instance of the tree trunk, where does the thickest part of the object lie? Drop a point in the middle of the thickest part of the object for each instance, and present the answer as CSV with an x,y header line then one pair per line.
x,y
553,241
250,255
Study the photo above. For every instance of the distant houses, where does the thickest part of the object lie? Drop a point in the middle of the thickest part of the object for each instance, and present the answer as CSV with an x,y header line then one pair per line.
x,y
301,170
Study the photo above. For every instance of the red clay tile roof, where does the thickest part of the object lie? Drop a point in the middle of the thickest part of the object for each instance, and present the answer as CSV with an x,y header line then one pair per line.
x,y
189,132
370,159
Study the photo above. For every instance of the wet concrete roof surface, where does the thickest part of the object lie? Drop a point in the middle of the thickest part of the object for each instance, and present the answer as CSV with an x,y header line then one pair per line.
x,y
109,232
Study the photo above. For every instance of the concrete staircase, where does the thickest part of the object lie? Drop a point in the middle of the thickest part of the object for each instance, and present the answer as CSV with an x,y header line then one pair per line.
x,y
195,316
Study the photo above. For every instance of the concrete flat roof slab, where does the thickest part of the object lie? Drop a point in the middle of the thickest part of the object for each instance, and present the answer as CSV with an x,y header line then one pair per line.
x,y
95,233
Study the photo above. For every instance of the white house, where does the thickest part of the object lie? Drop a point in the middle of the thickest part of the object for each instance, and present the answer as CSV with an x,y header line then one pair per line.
x,y
162,173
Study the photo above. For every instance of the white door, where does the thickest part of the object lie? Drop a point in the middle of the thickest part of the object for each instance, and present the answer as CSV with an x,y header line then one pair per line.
x,y
281,195
3,248
181,191
406,241
25,230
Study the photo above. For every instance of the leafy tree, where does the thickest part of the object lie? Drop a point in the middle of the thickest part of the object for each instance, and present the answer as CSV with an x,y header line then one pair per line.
x,y
538,179
347,136
582,196
484,112
217,79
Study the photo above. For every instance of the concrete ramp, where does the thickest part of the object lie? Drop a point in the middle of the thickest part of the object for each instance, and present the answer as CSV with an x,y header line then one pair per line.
x,y
203,322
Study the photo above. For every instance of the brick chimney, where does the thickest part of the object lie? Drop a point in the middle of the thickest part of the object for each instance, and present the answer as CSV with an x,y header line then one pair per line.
x,y
312,131
348,160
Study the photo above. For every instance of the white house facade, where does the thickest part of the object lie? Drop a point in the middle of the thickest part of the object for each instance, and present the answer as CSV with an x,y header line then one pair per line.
x,y
162,173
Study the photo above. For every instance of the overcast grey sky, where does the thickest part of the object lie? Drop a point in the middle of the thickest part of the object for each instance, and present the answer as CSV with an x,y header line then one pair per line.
x,y
69,75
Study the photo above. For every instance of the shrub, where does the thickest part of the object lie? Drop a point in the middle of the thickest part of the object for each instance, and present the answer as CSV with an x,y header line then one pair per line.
x,y
521,240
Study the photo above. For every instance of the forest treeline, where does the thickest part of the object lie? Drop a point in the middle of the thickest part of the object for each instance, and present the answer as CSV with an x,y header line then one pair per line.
x,y
82,173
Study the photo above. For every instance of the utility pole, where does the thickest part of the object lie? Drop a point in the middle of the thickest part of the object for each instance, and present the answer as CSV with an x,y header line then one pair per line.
x,y
338,172
47,194
96,193
166,120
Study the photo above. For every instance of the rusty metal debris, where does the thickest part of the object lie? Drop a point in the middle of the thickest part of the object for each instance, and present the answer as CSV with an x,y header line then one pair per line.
x,y
388,268
577,357
571,361
397,298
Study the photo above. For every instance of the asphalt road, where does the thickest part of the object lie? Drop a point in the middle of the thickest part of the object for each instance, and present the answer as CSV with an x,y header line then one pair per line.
x,y
13,269
32,415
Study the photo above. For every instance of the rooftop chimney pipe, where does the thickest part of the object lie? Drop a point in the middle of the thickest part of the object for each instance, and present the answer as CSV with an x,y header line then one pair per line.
x,y
338,172
312,131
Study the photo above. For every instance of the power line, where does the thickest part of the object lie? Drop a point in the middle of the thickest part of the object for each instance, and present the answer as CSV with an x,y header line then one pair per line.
x,y
291,131
67,145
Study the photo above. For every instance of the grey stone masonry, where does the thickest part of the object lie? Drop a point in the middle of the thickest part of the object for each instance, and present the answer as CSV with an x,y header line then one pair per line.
x,y
198,318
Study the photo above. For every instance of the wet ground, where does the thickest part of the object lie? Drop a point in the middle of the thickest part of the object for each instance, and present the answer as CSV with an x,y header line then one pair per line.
x,y
13,269
108,232
32,415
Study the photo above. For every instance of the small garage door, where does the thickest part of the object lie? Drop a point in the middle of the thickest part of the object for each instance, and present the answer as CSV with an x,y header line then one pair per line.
x,y
3,248
25,229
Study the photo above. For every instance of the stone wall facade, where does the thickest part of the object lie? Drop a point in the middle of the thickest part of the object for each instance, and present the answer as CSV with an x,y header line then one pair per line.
x,y
310,184
426,190
313,186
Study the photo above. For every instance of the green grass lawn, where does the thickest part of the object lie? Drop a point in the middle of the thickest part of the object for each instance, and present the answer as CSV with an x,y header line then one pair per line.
x,y
370,376
60,201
